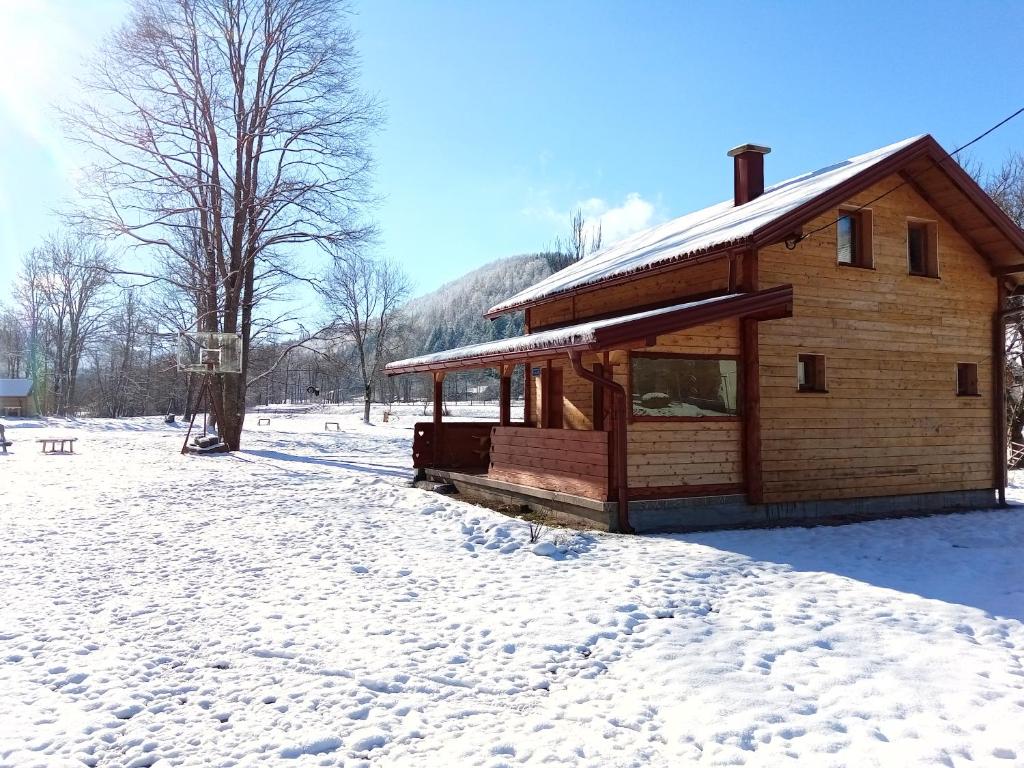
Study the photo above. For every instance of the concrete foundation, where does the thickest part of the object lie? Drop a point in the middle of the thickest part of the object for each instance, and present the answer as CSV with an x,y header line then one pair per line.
x,y
704,513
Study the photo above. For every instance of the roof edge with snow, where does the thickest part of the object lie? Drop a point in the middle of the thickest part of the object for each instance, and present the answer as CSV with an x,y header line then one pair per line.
x,y
769,218
604,334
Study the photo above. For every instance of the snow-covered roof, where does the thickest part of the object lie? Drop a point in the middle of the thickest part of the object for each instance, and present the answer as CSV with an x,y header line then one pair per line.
x,y
598,334
15,387
718,226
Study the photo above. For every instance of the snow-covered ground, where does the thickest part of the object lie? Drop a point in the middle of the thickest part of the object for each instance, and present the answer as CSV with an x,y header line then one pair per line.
x,y
295,604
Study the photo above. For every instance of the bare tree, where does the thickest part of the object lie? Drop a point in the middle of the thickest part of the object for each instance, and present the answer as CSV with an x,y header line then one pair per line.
x,y
70,273
13,345
365,296
577,245
224,133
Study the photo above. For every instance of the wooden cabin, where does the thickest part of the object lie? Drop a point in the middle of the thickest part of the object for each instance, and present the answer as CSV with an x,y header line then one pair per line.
x,y
16,397
829,346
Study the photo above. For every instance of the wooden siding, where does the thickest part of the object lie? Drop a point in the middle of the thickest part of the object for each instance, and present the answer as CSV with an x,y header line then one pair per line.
x,y
695,280
891,422
563,460
684,455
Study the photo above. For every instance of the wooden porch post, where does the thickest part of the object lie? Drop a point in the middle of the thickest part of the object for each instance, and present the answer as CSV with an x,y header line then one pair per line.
x,y
438,411
505,396
750,389
999,393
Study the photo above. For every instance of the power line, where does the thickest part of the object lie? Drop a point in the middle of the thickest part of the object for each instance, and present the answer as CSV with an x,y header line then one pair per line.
x,y
949,156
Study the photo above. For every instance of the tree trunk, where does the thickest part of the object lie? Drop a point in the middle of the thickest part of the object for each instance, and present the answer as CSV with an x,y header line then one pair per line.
x,y
366,403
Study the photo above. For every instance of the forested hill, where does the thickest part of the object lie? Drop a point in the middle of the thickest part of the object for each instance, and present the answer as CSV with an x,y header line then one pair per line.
x,y
452,316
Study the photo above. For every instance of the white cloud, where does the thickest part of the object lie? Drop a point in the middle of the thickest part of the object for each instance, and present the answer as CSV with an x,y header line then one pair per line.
x,y
617,222
614,221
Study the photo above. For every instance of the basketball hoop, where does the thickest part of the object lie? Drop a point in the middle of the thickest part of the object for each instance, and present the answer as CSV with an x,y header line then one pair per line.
x,y
209,352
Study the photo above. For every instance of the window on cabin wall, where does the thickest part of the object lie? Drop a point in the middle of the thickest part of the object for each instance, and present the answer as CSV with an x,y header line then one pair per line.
x,y
853,238
922,251
683,386
810,373
966,379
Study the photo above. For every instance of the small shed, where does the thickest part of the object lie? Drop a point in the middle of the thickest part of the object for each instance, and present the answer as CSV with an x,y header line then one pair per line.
x,y
16,397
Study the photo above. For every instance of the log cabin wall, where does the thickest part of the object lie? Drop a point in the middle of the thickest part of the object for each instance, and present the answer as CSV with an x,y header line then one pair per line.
x,y
891,421
694,280
691,457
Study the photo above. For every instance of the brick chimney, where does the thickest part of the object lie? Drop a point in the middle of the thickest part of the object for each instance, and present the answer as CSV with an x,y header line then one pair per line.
x,y
748,171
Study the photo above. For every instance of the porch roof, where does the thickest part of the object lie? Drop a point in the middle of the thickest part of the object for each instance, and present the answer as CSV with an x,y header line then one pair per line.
x,y
608,333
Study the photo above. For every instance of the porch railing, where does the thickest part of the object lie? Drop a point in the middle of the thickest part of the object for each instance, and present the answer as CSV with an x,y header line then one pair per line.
x,y
462,445
566,460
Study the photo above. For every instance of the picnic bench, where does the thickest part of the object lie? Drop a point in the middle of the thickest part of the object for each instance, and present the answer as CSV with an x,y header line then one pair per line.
x,y
67,444
263,421
329,424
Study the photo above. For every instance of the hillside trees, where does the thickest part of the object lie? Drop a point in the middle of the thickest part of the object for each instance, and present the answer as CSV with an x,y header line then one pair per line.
x,y
225,135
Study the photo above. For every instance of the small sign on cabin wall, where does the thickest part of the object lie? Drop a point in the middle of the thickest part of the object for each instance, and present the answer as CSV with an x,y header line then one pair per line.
x,y
536,371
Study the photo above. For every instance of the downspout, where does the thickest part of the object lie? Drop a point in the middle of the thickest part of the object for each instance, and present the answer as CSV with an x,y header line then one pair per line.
x,y
621,416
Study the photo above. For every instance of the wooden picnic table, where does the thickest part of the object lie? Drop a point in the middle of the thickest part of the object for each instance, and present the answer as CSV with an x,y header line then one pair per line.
x,y
53,442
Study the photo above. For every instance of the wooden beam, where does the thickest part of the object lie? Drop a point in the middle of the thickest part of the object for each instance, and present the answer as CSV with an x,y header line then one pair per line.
x,y
1010,269
999,394
505,396
750,389
438,412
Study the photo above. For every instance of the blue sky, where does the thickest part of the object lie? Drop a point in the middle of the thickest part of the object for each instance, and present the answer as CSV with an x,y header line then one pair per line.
x,y
503,117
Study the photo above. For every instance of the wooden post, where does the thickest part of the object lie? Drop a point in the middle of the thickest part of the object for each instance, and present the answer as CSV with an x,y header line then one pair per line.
x,y
505,396
750,389
438,412
999,393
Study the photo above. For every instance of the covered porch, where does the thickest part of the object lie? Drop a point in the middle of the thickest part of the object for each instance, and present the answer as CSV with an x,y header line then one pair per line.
x,y
571,454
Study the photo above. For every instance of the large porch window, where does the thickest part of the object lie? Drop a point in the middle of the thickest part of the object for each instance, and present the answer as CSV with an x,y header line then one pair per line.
x,y
668,386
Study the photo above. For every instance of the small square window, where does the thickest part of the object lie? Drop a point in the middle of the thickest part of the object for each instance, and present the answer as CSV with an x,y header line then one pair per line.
x,y
966,379
922,258
853,238
810,373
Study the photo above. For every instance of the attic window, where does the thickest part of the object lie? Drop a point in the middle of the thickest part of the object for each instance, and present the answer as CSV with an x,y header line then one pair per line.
x,y
922,254
810,373
966,379
853,238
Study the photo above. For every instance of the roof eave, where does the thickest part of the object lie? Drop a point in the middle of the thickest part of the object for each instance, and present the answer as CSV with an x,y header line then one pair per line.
x,y
768,304
689,257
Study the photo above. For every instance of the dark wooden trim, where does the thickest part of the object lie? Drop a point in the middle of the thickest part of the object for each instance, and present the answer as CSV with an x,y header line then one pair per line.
x,y
686,355
999,394
640,417
597,399
1010,269
527,394
638,308
750,390
684,491
505,395
438,441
